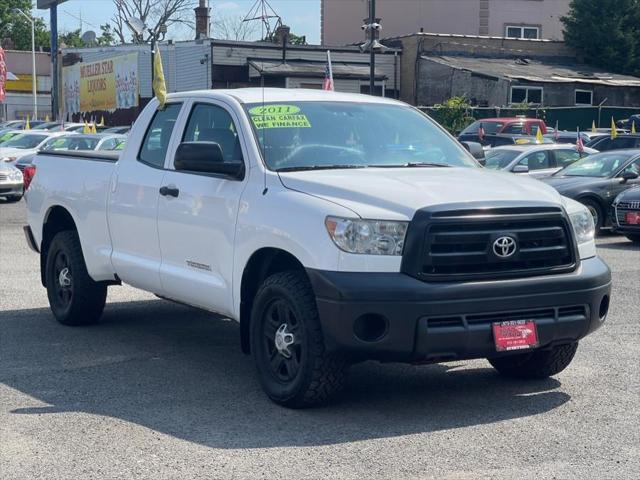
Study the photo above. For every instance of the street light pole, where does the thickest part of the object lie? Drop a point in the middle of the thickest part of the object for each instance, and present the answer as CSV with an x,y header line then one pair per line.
x,y
33,59
372,61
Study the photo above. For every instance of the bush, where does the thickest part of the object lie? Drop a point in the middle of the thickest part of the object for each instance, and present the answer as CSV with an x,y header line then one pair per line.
x,y
453,114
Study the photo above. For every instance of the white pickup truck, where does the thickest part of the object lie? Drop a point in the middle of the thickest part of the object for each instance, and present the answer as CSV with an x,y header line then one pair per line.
x,y
334,228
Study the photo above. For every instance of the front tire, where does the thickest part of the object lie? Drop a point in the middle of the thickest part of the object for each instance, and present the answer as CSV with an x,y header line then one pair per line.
x,y
293,366
537,364
75,298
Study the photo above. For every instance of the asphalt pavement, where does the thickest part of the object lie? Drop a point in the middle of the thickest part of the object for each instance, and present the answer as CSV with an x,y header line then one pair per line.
x,y
162,391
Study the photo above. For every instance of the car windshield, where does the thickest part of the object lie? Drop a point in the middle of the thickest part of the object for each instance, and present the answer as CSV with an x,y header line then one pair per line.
x,y
72,142
599,165
499,159
490,128
25,140
308,135
5,137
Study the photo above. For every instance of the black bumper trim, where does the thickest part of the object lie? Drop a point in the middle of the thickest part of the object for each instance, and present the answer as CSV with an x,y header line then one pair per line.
x,y
408,304
28,234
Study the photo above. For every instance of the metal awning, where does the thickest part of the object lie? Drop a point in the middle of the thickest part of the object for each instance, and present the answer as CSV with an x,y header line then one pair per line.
x,y
297,68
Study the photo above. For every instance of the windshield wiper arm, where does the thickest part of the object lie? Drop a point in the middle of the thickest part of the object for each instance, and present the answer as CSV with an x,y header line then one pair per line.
x,y
414,165
318,167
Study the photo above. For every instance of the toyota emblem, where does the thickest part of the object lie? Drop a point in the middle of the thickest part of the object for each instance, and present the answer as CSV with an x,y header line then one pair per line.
x,y
504,247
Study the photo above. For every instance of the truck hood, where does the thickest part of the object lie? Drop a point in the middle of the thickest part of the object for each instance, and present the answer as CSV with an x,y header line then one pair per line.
x,y
396,193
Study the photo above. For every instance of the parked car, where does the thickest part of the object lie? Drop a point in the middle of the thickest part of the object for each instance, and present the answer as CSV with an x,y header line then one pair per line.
x,y
626,214
20,124
11,187
24,144
507,125
595,181
535,160
260,206
492,141
121,130
623,141
79,127
568,137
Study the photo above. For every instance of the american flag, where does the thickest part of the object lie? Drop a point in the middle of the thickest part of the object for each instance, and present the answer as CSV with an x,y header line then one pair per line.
x,y
481,132
579,144
328,75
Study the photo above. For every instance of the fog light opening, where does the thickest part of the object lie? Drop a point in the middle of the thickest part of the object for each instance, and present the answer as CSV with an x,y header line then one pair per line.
x,y
370,327
604,308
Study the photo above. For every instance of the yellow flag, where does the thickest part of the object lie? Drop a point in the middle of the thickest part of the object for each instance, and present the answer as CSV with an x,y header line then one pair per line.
x,y
593,127
159,87
93,128
539,137
46,118
614,130
27,125
86,128
101,121
633,128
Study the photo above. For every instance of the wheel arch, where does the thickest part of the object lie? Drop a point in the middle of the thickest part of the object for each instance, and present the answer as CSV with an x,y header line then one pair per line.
x,y
262,264
56,220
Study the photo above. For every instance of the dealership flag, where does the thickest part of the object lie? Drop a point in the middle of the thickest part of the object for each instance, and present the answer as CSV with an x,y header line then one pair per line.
x,y
556,133
159,86
614,130
593,127
3,75
328,75
481,132
579,144
633,127
539,137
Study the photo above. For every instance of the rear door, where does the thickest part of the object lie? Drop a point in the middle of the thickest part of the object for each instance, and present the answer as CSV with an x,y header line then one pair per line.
x,y
197,224
133,204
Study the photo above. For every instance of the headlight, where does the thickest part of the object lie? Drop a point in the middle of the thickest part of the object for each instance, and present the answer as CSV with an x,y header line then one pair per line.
x,y
369,237
16,175
583,226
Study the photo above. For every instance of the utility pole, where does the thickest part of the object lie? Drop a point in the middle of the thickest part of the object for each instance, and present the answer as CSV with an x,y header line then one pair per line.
x,y
33,59
372,61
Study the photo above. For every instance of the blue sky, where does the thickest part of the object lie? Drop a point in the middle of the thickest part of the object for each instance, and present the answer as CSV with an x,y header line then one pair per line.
x,y
303,16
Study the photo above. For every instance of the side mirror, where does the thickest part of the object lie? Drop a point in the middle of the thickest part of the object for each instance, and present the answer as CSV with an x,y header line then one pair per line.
x,y
475,149
628,175
206,157
520,169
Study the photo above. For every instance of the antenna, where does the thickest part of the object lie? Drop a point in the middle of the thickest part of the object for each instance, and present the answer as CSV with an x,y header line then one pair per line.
x,y
262,11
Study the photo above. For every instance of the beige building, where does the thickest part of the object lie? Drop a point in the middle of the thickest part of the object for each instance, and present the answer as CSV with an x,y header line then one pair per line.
x,y
342,19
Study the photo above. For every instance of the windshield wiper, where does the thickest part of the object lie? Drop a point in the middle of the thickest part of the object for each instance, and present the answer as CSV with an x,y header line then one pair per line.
x,y
318,167
414,165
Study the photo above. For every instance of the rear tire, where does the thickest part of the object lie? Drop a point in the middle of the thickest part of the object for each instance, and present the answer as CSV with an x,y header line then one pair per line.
x,y
295,371
75,298
538,364
634,238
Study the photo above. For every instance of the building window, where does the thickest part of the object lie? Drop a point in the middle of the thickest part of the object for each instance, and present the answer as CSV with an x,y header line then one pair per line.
x,y
527,95
520,31
584,97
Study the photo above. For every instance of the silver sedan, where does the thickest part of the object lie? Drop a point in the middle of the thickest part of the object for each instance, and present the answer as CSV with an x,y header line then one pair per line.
x,y
11,182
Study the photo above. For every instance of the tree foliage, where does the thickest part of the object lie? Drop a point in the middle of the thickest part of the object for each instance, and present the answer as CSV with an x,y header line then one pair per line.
x,y
606,33
17,29
453,114
233,27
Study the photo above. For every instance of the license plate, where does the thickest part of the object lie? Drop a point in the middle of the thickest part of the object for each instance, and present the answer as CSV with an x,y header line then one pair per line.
x,y
515,335
632,218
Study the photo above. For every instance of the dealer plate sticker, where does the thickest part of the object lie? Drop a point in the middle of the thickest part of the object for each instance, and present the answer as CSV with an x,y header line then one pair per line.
x,y
632,218
515,335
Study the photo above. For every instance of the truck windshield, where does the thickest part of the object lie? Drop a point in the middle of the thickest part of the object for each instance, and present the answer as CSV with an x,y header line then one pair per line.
x,y
24,141
310,135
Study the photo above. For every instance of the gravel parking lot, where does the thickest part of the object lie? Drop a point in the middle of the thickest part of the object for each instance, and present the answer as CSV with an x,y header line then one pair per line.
x,y
160,391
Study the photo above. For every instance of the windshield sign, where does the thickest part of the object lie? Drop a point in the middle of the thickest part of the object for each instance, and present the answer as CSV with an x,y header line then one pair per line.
x,y
311,135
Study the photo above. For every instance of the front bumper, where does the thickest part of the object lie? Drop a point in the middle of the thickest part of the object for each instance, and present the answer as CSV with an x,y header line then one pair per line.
x,y
395,317
11,188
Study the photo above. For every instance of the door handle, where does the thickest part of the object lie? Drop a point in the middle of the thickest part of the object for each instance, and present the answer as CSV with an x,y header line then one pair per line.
x,y
169,191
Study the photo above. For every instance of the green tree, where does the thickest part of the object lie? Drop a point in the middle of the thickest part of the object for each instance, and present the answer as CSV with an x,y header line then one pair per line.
x,y
17,29
107,35
72,39
606,33
453,114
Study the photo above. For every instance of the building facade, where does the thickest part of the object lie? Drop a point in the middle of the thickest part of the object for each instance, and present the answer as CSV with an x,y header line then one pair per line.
x,y
341,19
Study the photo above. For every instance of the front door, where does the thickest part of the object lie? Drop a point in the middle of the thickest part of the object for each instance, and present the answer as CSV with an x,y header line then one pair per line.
x,y
197,219
133,204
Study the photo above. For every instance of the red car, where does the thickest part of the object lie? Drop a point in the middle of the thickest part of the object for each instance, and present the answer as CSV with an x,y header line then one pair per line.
x,y
507,125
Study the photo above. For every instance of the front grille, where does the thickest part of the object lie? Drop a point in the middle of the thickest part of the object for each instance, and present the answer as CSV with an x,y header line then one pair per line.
x,y
622,209
574,312
3,176
460,244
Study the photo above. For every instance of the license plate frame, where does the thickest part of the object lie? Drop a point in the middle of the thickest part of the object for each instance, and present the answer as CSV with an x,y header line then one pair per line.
x,y
513,335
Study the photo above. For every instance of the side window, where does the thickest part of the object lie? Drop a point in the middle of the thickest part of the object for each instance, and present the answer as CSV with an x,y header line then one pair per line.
x,y
534,128
634,167
515,128
108,144
156,141
536,161
566,157
604,144
211,123
624,142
